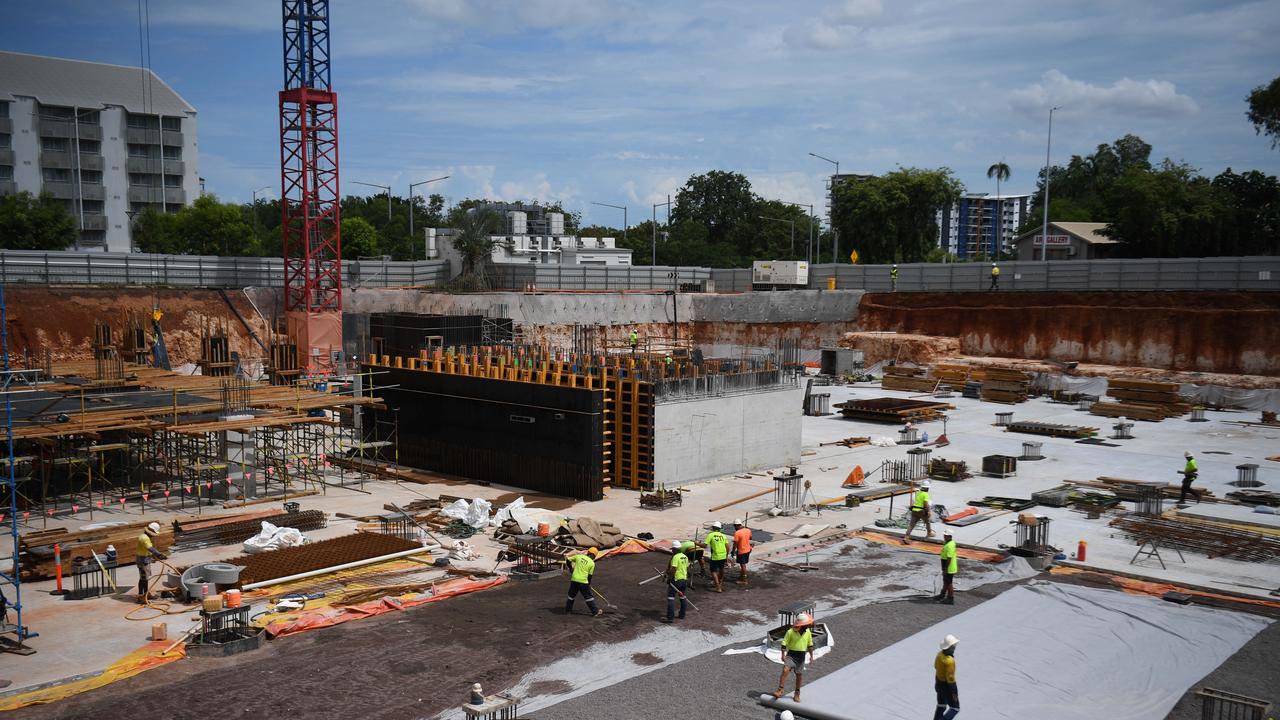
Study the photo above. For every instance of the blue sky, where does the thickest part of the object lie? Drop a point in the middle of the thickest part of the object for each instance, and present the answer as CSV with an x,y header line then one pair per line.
x,y
619,102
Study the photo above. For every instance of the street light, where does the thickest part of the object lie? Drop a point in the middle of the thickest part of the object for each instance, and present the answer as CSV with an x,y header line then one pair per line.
x,y
809,255
384,187
255,208
411,187
793,230
623,208
1044,229
654,260
835,234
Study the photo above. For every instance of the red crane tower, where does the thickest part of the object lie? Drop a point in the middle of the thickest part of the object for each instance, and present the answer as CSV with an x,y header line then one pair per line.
x,y
309,186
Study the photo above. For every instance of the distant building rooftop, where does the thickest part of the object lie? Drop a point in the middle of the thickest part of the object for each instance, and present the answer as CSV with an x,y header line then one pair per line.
x,y
78,83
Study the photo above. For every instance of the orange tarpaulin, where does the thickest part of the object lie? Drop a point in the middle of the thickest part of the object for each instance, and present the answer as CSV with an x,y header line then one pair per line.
x,y
856,477
144,658
323,613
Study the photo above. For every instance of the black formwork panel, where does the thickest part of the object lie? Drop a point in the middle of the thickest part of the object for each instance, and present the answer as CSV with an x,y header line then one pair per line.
x,y
539,437
405,334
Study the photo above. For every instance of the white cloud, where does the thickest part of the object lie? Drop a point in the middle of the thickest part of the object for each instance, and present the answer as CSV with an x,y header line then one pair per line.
x,y
815,35
1124,96
637,155
853,12
458,82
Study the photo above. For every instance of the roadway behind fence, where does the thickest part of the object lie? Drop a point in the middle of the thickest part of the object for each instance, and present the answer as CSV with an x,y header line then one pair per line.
x,y
1220,273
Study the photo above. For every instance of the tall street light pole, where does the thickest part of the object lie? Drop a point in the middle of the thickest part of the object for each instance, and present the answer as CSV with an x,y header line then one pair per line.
x,y
623,208
411,187
793,230
384,187
809,255
255,209
654,260
835,234
1044,229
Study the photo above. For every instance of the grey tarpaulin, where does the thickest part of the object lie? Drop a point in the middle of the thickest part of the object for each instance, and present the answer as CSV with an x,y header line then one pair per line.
x,y
1216,395
1047,650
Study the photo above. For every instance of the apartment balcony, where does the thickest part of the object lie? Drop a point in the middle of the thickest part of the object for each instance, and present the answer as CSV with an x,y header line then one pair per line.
x,y
157,196
66,161
69,191
95,222
6,156
93,191
6,125
144,136
67,129
155,166
8,187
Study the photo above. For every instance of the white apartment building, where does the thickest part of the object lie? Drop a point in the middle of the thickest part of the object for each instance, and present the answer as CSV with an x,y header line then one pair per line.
x,y
967,227
109,141
533,236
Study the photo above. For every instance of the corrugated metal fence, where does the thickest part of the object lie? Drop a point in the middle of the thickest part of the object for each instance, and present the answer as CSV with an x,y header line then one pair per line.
x,y
1221,273
78,268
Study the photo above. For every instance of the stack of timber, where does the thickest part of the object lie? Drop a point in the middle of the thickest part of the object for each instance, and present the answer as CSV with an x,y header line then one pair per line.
x,y
35,549
227,529
893,410
1130,489
1005,385
900,377
954,375
1142,400
1052,430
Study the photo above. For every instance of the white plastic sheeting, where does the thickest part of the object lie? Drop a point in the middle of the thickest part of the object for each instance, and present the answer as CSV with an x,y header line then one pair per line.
x,y
1215,395
273,538
474,513
1047,650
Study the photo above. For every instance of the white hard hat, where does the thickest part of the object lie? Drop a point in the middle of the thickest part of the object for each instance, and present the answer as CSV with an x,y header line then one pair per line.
x,y
1187,454
154,528
786,715
993,264
717,525
949,642
737,521
947,533
925,484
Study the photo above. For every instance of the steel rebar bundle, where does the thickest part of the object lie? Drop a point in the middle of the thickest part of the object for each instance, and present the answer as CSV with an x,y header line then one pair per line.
x,y
1213,540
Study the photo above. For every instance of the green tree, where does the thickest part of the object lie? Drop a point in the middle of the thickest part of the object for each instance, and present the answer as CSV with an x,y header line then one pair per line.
x,y
1264,111
359,238
210,227
475,242
157,232
35,223
1170,211
1252,223
999,171
720,201
892,218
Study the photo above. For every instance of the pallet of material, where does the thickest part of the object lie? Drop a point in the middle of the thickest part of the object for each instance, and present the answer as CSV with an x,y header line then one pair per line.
x,y
1052,430
896,410
1133,411
913,384
1008,374
1002,396
1143,385
1126,489
903,371
36,558
949,470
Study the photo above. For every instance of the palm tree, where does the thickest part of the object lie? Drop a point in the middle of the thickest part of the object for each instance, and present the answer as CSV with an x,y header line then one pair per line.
x,y
999,171
475,242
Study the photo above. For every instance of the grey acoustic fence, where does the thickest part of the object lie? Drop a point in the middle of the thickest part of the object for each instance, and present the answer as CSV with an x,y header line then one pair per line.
x,y
600,277
94,268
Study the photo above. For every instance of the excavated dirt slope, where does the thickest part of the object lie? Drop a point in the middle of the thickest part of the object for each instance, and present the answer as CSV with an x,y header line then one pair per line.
x,y
1219,332
61,319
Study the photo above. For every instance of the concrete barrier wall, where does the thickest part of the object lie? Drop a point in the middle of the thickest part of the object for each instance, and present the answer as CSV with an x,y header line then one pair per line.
x,y
711,437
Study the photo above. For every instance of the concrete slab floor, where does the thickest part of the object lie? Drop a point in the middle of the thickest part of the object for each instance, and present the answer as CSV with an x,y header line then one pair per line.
x,y
86,636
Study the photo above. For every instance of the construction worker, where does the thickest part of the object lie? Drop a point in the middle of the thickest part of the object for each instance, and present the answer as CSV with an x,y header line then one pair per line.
x,y
995,277
718,545
147,552
583,566
1189,474
633,339
795,645
677,581
741,549
950,565
920,510
893,278
669,362
944,680
695,551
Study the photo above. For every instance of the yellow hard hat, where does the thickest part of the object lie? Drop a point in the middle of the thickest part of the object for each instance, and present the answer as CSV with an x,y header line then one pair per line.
x,y
593,552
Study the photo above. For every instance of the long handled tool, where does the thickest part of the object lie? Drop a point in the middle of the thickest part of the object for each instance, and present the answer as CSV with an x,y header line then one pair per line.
x,y
409,517
655,577
174,644
600,595
104,571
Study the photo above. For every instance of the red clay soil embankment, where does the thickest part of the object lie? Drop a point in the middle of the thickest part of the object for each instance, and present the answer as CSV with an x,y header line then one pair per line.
x,y
61,320
1223,332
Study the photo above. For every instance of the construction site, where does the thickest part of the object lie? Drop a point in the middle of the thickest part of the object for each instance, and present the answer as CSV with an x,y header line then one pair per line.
x,y
303,500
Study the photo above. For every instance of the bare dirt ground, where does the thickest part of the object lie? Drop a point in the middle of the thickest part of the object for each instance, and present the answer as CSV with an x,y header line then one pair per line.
x,y
61,320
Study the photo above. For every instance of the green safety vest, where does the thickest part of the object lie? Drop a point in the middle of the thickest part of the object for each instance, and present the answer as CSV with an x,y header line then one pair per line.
x,y
718,544
949,554
894,273
919,500
680,563
996,271
797,641
583,568
633,338
1191,466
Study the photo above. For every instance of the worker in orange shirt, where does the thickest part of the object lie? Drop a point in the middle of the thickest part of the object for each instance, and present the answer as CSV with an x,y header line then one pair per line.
x,y
741,549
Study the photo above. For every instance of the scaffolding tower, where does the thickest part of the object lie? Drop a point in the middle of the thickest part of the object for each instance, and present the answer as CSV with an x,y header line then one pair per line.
x,y
10,580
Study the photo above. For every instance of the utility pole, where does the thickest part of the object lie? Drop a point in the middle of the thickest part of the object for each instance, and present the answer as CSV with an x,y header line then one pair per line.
x,y
654,260
1044,229
835,234
411,187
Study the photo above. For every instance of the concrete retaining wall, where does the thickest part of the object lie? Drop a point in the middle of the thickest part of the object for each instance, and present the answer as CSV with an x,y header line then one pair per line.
x,y
711,437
